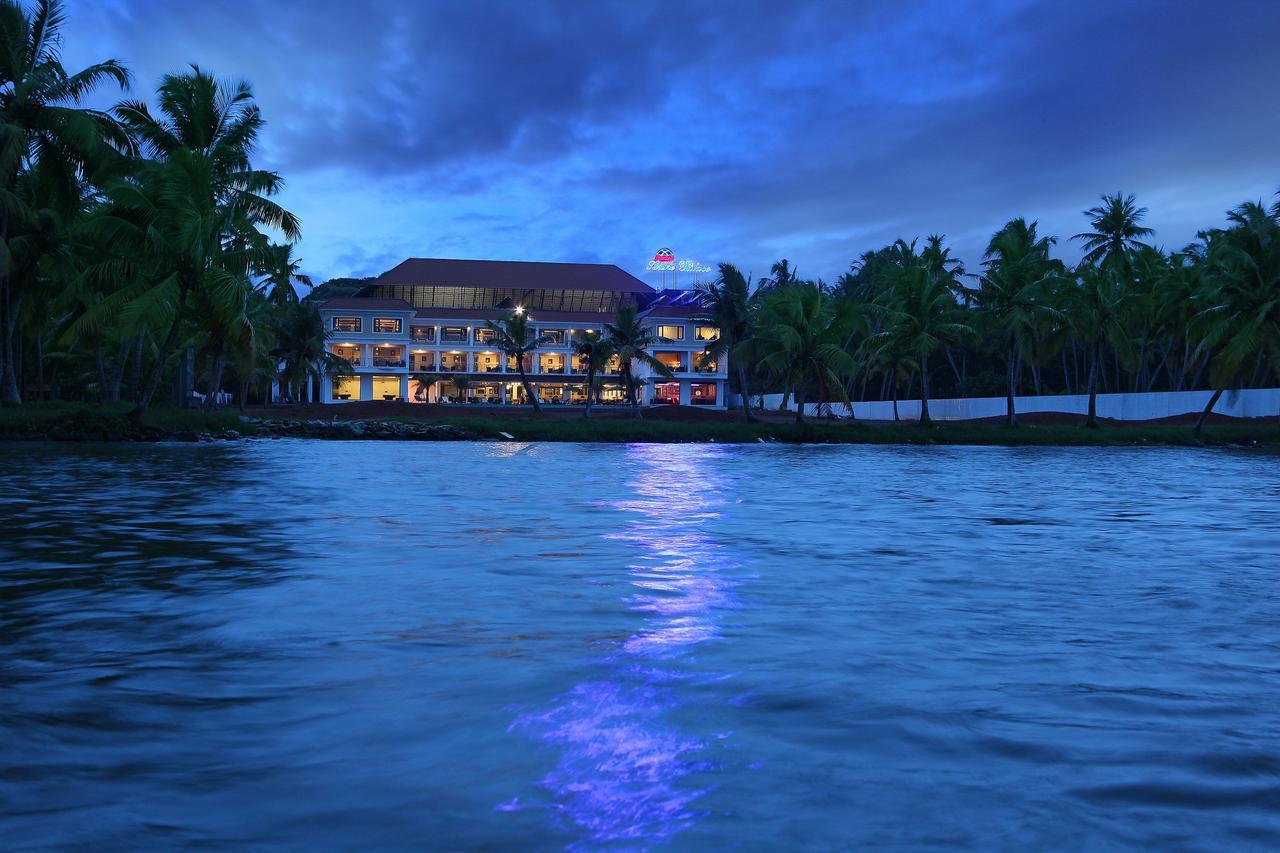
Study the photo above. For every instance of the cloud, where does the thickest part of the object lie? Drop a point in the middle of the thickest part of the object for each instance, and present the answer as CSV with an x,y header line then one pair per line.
x,y
569,131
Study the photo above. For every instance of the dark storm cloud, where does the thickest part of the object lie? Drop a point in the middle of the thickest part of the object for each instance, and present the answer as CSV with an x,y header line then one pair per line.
x,y
584,131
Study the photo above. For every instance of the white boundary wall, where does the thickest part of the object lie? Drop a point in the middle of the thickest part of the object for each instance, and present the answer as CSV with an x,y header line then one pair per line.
x,y
1251,403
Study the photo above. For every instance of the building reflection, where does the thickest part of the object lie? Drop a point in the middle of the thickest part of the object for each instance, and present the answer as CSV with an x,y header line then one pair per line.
x,y
628,771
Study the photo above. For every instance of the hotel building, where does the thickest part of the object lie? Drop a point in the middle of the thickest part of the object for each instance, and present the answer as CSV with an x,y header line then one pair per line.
x,y
417,334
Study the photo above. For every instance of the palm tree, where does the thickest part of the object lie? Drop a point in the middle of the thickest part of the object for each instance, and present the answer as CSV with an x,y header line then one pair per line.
x,y
41,124
594,350
806,342
300,348
197,205
781,275
514,337
728,299
921,316
1240,320
631,343
1116,231
1017,271
281,272
1098,312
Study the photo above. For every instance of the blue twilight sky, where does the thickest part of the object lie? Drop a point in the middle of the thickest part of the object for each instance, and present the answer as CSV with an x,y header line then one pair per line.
x,y
601,131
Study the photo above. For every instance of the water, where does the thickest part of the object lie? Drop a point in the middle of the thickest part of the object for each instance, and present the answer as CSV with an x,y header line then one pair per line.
x,y
369,645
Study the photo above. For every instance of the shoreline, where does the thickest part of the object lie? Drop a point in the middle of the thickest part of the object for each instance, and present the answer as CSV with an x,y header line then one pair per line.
x,y
95,423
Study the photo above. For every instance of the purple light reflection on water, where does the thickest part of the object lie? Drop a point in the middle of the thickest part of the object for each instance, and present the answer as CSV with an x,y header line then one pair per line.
x,y
623,769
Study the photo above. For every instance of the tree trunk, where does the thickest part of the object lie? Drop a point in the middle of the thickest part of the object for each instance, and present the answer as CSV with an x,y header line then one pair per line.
x,y
39,366
9,307
1213,401
1011,417
215,384
924,389
135,368
894,383
632,397
1092,420
742,389
524,383
157,370
117,374
100,369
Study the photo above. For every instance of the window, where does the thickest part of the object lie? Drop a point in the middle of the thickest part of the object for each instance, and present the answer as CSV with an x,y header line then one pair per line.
x,y
667,392
703,364
487,362
555,337
702,393
707,333
486,336
386,325
670,333
349,352
388,356
455,334
346,388
386,388
422,333
673,360
346,324
453,361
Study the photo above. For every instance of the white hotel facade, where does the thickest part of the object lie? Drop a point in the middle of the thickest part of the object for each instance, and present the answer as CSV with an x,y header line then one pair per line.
x,y
418,334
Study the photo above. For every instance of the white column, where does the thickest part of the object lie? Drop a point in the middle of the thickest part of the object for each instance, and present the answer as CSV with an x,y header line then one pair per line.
x,y
404,388
685,393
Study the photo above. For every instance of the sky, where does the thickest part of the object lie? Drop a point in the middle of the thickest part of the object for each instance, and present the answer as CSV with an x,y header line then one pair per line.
x,y
745,132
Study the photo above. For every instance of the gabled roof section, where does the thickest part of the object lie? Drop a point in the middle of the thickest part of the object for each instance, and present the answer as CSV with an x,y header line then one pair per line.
x,y
534,275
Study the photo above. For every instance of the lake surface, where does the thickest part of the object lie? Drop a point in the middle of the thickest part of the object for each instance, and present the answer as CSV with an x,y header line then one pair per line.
x,y
369,645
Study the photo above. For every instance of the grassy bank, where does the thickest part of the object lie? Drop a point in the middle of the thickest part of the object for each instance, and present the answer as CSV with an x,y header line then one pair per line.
x,y
627,430
91,422
88,422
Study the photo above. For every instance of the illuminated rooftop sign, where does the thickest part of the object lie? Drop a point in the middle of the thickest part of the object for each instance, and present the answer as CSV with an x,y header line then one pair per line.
x,y
664,260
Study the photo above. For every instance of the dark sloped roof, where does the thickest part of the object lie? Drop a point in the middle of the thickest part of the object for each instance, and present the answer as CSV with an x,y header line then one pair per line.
x,y
365,303
533,275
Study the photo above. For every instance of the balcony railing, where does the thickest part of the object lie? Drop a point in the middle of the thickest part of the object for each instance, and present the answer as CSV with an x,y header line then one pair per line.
x,y
383,361
421,334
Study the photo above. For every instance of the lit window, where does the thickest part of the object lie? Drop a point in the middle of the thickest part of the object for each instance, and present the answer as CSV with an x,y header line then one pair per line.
x,y
706,333
453,333
346,324
702,393
386,325
422,333
486,336
670,333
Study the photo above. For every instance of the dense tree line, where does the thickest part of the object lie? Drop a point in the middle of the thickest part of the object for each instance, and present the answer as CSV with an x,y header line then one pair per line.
x,y
907,320
140,244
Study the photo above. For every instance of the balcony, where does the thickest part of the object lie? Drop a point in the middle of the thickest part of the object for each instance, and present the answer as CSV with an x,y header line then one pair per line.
x,y
349,353
709,366
674,361
385,356
453,334
422,334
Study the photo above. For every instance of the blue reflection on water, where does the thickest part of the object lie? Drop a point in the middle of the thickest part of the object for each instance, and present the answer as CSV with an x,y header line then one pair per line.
x,y
624,768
